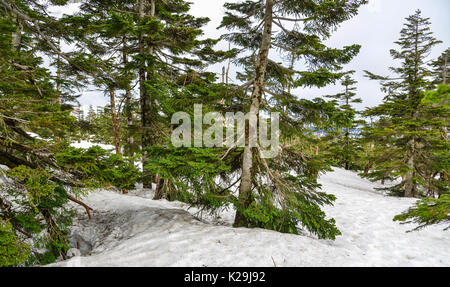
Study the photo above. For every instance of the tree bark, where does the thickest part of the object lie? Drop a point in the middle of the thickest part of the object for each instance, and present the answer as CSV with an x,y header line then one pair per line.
x,y
245,189
146,99
17,36
114,121
159,191
128,99
58,74
409,187
445,72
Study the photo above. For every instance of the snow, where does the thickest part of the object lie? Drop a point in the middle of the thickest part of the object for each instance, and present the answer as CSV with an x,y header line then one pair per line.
x,y
3,178
86,144
133,230
35,135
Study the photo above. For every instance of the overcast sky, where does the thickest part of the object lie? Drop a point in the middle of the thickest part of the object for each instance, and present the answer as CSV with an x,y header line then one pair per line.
x,y
376,27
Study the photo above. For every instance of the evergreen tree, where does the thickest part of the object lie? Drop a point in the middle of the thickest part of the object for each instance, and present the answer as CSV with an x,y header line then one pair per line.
x,y
436,166
345,146
29,102
295,29
33,204
155,42
440,68
404,131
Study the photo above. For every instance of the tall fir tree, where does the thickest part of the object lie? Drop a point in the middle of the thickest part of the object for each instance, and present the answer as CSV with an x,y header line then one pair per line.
x,y
404,131
344,142
156,43
295,29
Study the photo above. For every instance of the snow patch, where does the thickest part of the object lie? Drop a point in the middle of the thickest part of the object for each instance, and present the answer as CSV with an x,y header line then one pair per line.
x,y
86,144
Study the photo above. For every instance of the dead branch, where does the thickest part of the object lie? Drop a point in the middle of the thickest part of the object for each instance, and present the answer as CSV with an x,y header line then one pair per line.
x,y
88,209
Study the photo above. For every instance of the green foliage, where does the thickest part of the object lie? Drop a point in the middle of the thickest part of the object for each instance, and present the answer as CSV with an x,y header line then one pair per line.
x,y
12,250
189,175
264,214
98,167
35,197
344,143
428,211
36,182
268,49
409,133
439,97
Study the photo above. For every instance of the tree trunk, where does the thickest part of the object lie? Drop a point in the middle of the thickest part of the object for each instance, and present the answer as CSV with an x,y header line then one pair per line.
x,y
145,97
128,99
366,169
159,191
245,190
114,121
17,36
409,187
347,149
58,74
445,69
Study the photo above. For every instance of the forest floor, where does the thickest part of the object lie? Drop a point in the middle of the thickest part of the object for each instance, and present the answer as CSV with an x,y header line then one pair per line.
x,y
134,230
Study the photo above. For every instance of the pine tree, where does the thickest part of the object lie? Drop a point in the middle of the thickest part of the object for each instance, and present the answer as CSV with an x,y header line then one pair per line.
x,y
345,146
404,132
436,166
30,102
155,42
34,202
440,68
295,28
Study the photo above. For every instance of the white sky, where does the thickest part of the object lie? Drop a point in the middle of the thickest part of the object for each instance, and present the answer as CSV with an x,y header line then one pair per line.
x,y
376,27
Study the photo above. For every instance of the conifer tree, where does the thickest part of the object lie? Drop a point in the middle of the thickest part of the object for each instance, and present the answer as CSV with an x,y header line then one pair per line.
x,y
30,102
155,42
293,28
404,131
41,168
440,68
436,166
344,143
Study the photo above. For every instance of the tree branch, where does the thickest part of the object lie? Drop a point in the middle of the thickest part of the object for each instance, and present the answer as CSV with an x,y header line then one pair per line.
x,y
88,209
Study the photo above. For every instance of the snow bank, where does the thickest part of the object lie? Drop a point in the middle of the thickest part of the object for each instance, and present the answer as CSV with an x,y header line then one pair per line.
x,y
136,231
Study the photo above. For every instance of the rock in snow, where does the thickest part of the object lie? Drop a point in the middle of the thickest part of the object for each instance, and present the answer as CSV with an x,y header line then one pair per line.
x,y
137,231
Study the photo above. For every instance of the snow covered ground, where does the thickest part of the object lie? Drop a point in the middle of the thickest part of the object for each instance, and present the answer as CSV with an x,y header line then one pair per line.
x,y
133,230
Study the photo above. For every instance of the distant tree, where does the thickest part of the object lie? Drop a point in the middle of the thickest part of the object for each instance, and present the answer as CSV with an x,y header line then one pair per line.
x,y
345,145
404,131
440,68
